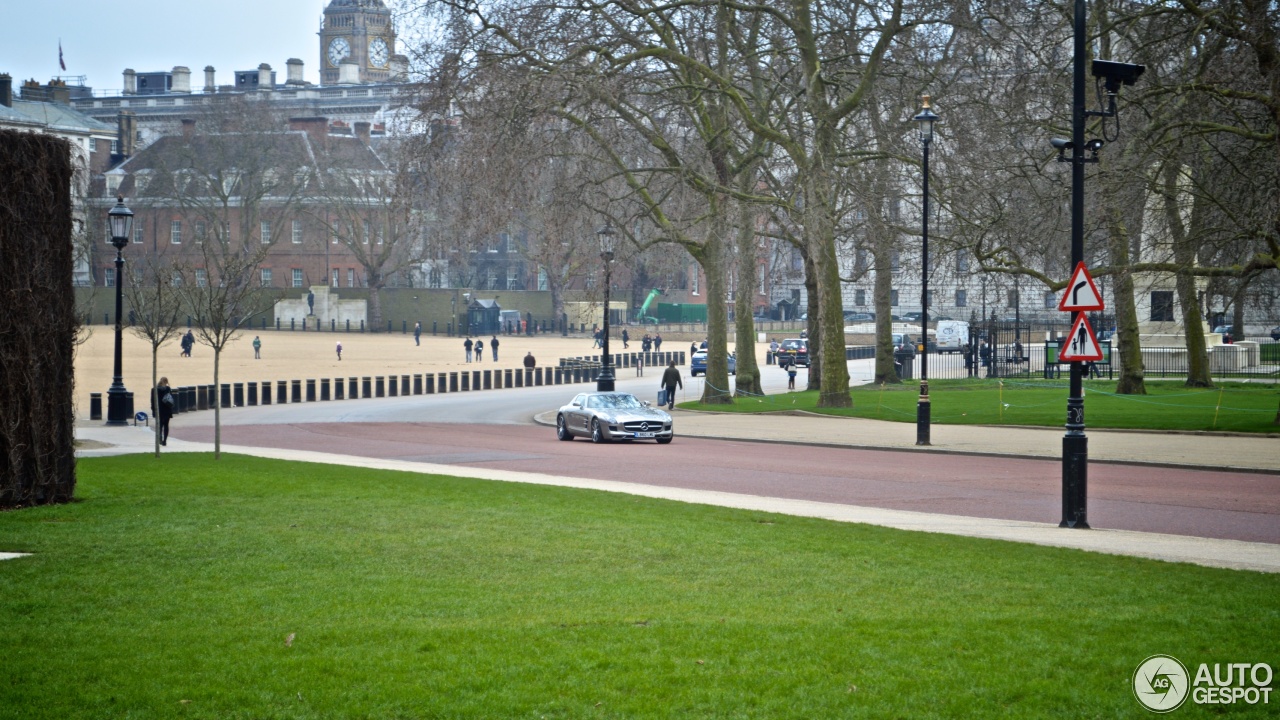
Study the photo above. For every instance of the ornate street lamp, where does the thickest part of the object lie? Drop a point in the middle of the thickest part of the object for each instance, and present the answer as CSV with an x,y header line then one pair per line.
x,y
608,242
926,118
120,218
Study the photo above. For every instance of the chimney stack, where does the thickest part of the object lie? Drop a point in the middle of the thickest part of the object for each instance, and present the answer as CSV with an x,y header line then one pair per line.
x,y
126,132
130,82
294,66
348,72
315,127
188,128
209,84
6,90
181,79
363,131
264,77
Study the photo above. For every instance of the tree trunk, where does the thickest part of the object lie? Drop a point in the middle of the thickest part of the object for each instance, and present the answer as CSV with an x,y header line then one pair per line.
x,y
1184,254
217,406
375,301
882,258
715,391
812,309
155,401
747,381
1237,310
1132,381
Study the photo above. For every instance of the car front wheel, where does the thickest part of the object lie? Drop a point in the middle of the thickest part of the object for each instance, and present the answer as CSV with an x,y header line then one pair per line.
x,y
562,430
597,433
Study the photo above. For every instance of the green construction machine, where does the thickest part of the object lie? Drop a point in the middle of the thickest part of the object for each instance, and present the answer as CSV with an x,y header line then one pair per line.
x,y
641,315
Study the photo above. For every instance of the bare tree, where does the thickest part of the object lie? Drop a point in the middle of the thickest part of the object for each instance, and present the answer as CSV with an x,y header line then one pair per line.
x,y
156,309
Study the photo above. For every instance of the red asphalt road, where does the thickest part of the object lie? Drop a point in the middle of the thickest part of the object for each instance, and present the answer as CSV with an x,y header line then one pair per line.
x,y
1227,505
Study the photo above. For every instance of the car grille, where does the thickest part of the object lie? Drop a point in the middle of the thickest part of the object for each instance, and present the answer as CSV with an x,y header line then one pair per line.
x,y
643,426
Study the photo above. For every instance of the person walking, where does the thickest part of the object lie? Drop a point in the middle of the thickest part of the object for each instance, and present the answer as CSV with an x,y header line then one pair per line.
x,y
597,336
493,345
417,334
467,346
257,348
162,404
529,361
657,342
670,381
188,342
479,350
626,338
339,351
791,376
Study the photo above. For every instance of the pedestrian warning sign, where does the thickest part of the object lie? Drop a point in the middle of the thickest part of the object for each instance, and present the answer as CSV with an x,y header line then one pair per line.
x,y
1081,345
1081,294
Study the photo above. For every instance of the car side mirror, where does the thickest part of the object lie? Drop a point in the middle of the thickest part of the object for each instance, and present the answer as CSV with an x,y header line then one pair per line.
x,y
644,403
575,404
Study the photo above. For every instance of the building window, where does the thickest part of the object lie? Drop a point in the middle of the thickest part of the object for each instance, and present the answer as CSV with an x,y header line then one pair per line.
x,y
512,279
351,277
266,277
962,261
137,234
859,297
1012,299
264,231
962,298
202,277
109,277
296,229
893,298
860,263
895,263
1050,301
175,232
297,277
543,279
366,232
695,280
491,279
335,277
1162,306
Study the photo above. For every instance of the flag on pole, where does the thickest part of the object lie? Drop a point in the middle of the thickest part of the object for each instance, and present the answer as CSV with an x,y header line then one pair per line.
x,y
62,64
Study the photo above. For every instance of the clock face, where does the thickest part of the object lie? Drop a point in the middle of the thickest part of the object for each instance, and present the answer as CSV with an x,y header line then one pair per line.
x,y
339,49
378,52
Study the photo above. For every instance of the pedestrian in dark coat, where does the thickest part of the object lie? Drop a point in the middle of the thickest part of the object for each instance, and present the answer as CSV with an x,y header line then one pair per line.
x,y
479,350
529,360
657,342
162,404
493,345
626,338
417,333
468,345
671,381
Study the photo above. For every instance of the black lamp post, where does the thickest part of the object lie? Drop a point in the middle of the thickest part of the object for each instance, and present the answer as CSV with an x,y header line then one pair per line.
x,y
608,241
120,218
926,118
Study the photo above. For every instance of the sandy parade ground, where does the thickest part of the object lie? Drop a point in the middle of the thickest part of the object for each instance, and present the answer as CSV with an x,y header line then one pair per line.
x,y
301,355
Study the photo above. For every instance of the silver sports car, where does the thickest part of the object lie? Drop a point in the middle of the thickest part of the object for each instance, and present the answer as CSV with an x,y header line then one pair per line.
x,y
605,416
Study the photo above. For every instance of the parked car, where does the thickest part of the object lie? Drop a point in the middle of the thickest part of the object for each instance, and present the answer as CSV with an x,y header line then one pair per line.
x,y
952,335
1275,333
698,364
1224,330
607,416
913,316
858,317
793,351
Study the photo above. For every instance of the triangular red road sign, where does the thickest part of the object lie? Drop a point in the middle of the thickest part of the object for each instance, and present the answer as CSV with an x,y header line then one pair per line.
x,y
1081,293
1081,345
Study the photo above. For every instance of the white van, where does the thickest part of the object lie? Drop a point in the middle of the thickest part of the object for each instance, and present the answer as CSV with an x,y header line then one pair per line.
x,y
953,335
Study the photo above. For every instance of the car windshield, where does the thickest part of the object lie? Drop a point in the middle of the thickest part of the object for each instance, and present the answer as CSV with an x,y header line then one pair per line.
x,y
619,401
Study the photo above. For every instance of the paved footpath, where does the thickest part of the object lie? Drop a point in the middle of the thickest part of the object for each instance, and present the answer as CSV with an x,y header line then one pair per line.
x,y
1247,453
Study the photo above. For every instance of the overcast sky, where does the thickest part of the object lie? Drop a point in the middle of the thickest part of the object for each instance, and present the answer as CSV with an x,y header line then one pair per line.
x,y
100,39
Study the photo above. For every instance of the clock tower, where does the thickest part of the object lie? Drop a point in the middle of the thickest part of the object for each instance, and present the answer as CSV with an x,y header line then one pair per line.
x,y
358,32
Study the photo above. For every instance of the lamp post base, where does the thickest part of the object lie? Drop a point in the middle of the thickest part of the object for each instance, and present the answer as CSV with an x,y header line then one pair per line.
x,y
117,405
1075,481
922,421
604,383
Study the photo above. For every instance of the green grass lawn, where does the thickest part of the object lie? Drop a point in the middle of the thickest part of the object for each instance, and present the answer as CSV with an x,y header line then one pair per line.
x,y
1239,407
169,589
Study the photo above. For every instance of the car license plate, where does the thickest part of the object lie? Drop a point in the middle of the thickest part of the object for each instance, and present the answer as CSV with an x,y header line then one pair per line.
x,y
644,435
